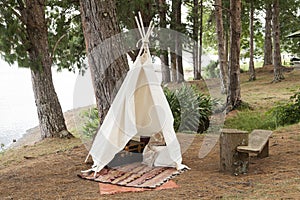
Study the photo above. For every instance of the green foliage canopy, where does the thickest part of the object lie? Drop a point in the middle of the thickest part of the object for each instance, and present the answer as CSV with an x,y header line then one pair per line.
x,y
65,37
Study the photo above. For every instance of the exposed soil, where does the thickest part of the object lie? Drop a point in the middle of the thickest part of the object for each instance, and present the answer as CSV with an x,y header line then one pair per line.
x,y
48,170
53,176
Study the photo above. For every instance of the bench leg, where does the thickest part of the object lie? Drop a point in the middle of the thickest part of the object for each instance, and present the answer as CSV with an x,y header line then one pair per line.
x,y
265,152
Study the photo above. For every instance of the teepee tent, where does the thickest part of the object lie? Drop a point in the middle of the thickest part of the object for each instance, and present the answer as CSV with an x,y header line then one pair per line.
x,y
140,108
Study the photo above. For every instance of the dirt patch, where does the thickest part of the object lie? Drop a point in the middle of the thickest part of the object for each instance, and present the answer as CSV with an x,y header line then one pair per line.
x,y
54,176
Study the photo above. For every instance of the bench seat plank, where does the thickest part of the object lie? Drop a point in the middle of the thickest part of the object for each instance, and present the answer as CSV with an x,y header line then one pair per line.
x,y
257,141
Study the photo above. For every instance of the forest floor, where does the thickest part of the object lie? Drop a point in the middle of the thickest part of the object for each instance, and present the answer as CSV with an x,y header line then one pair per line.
x,y
48,169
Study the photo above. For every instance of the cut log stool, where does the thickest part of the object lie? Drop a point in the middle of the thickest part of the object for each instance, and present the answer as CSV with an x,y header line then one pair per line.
x,y
258,143
230,159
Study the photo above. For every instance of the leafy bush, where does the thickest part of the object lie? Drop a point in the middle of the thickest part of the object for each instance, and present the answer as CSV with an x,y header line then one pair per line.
x,y
190,109
212,70
92,122
287,113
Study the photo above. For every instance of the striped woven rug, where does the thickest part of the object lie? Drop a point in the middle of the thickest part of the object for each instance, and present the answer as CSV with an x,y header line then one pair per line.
x,y
133,175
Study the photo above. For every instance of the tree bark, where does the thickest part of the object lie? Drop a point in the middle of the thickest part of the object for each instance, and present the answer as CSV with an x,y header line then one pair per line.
x,y
234,90
180,73
173,66
200,39
107,62
268,56
196,39
176,57
51,119
278,75
221,46
173,43
252,75
164,56
227,41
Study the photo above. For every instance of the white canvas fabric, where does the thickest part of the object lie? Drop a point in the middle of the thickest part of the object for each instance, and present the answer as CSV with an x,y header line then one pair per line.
x,y
140,108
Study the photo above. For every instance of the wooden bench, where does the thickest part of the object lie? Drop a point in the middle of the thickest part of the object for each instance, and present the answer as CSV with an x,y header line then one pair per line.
x,y
258,143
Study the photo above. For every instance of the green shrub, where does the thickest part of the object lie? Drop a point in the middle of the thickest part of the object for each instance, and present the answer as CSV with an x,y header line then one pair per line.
x,y
212,70
190,109
249,120
92,122
287,113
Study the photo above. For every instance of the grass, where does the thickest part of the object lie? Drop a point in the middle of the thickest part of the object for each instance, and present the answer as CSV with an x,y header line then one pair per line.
x,y
245,65
249,120
262,95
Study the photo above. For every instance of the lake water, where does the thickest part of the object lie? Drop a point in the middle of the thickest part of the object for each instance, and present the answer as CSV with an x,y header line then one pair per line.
x,y
17,106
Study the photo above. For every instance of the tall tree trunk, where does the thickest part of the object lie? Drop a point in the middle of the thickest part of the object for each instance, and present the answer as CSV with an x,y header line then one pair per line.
x,y
252,75
164,56
173,43
51,119
278,75
176,58
195,16
234,90
268,36
165,69
221,46
227,40
180,73
106,60
173,65
200,39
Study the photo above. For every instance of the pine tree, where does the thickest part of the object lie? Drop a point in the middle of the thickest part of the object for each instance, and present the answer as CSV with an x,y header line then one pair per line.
x,y
25,39
268,55
278,75
221,45
164,56
106,60
252,75
234,89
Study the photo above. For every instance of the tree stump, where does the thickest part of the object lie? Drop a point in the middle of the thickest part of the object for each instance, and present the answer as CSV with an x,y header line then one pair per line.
x,y
230,159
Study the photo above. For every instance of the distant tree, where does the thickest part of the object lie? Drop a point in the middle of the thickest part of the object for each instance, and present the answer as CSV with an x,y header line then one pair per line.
x,y
195,36
234,90
178,41
26,39
221,45
278,74
268,52
164,56
252,75
200,38
107,63
176,49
